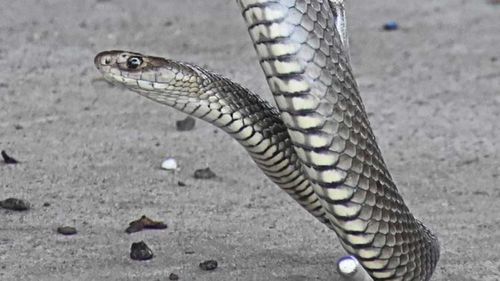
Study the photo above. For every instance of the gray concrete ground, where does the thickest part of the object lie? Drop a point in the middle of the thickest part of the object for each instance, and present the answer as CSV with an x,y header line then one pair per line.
x,y
93,151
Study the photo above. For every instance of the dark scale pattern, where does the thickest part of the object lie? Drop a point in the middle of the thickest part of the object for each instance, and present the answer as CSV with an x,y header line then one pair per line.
x,y
357,191
273,151
265,137
322,152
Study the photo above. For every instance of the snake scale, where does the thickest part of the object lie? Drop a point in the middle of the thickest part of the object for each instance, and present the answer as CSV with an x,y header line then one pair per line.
x,y
317,145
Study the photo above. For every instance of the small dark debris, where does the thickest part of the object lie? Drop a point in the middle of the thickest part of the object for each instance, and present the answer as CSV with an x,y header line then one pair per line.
x,y
140,251
189,252
181,183
144,223
470,161
186,124
18,127
167,24
208,265
204,174
173,276
134,226
46,204
15,204
7,159
391,26
493,59
66,230
479,192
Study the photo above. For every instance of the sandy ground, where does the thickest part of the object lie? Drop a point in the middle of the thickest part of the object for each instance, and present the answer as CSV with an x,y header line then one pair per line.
x,y
93,151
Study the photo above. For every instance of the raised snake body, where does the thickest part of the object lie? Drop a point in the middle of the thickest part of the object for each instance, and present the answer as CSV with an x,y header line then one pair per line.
x,y
318,147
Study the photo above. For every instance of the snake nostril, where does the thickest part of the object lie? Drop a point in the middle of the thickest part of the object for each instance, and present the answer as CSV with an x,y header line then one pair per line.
x,y
106,60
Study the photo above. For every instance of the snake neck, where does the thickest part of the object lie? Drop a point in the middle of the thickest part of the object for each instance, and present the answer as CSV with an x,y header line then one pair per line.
x,y
254,123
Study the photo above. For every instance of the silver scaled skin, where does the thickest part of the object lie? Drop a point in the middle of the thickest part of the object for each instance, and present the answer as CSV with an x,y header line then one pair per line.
x,y
317,145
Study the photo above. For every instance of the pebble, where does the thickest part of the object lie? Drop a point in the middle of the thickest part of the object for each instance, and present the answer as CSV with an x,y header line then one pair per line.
x,y
391,25
181,183
173,276
140,251
204,174
144,223
169,164
7,159
15,204
66,230
186,124
208,265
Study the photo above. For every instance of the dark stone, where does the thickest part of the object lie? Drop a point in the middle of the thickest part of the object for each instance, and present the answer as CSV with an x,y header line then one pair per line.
x,y
144,223
181,183
208,265
7,159
186,124
15,204
140,251
66,230
391,25
204,174
173,276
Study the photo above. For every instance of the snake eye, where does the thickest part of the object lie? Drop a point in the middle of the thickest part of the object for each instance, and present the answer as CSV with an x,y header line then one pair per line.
x,y
134,62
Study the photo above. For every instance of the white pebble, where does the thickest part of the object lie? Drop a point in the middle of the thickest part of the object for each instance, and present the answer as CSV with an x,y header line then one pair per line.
x,y
347,265
169,164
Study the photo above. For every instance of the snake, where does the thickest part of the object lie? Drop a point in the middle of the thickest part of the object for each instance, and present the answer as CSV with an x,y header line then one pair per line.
x,y
316,143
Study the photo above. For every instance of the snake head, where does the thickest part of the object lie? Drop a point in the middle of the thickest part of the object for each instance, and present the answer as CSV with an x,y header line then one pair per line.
x,y
155,77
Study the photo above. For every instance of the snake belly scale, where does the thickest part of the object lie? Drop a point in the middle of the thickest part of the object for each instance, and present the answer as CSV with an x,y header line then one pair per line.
x,y
317,145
